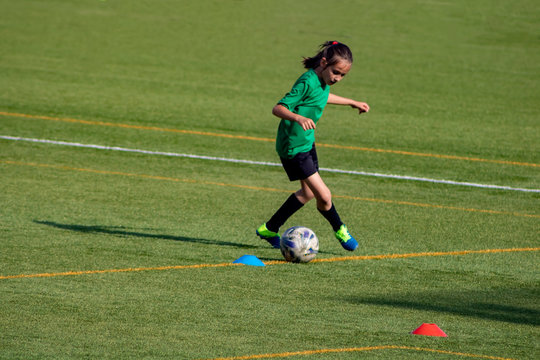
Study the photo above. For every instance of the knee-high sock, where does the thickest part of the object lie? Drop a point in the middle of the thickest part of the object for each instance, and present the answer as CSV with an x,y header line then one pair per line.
x,y
333,217
289,207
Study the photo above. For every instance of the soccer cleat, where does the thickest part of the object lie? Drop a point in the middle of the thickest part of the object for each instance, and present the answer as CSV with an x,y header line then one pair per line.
x,y
345,238
270,236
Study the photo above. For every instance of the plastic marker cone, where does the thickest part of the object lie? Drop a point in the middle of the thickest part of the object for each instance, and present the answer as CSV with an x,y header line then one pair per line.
x,y
249,260
429,330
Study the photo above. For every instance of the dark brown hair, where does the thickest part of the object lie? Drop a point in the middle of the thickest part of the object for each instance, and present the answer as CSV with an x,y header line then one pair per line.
x,y
332,51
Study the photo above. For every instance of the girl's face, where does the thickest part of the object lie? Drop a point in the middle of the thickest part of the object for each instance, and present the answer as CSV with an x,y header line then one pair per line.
x,y
332,74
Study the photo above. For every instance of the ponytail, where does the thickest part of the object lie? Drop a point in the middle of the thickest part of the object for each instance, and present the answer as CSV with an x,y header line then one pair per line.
x,y
332,51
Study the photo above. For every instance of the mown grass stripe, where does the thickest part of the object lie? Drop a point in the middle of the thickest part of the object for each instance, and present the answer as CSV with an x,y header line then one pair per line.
x,y
435,206
260,188
254,138
358,349
268,263
136,127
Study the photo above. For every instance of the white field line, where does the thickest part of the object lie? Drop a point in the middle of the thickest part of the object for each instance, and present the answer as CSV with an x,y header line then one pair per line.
x,y
264,163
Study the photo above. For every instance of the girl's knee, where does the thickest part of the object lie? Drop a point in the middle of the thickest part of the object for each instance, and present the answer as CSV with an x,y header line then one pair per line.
x,y
324,201
304,196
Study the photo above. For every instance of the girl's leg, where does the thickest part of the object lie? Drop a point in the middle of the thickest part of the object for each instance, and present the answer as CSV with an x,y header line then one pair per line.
x,y
312,187
289,207
324,199
318,189
304,194
296,168
269,230
328,210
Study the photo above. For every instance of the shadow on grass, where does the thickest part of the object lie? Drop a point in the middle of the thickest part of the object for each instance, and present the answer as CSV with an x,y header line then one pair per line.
x,y
122,232
472,304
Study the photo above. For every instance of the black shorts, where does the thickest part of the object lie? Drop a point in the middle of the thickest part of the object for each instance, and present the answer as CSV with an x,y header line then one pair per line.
x,y
302,165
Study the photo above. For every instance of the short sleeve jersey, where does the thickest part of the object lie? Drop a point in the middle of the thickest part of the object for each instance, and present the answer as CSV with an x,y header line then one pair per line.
x,y
308,97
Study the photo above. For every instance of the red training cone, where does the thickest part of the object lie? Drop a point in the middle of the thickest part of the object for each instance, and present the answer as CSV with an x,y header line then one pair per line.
x,y
429,330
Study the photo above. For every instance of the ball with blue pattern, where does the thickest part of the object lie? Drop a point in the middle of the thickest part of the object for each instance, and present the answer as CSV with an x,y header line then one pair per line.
x,y
299,244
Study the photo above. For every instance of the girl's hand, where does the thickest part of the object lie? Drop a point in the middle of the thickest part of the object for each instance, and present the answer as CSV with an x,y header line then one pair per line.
x,y
305,123
339,100
283,113
361,106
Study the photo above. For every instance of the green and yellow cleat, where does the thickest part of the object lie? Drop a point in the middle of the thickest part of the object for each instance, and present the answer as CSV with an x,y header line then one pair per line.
x,y
345,239
270,236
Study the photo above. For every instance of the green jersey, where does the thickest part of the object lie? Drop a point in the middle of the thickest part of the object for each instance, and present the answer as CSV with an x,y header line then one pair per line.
x,y
308,97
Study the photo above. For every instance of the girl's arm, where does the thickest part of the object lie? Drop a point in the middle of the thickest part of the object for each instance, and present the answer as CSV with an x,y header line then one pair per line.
x,y
338,100
283,113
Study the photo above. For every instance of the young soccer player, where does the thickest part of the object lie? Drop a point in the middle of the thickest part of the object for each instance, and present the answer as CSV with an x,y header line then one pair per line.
x,y
299,111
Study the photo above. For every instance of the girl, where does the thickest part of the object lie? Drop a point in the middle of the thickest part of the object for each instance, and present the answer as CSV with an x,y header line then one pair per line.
x,y
299,111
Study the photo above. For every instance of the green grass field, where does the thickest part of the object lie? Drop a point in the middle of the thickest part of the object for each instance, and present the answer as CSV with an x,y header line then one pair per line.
x,y
123,255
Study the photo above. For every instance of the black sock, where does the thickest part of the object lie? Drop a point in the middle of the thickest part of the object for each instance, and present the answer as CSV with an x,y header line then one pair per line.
x,y
333,217
289,207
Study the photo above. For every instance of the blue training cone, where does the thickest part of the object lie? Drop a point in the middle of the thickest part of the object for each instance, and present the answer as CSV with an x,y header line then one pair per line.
x,y
249,260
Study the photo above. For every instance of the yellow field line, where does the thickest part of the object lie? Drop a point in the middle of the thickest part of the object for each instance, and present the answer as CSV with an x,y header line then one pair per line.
x,y
253,138
109,271
358,349
439,156
137,127
425,254
268,263
412,255
260,188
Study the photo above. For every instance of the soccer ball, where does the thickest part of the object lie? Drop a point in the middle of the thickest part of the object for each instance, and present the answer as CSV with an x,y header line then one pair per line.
x,y
299,244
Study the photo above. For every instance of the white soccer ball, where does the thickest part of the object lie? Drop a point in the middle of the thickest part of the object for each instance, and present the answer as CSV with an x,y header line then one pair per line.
x,y
299,244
